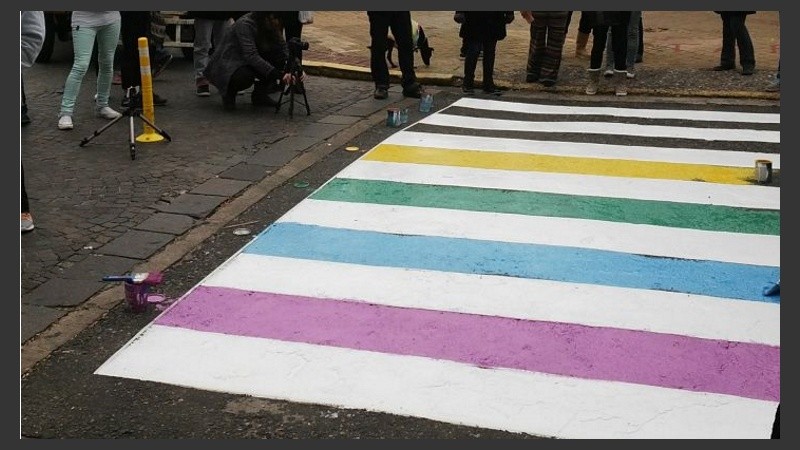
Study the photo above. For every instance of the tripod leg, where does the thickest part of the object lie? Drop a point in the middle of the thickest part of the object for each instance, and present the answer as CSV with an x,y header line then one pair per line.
x,y
100,130
132,140
291,101
305,100
153,126
280,98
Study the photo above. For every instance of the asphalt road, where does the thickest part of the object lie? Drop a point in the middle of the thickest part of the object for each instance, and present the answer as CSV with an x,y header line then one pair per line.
x,y
61,398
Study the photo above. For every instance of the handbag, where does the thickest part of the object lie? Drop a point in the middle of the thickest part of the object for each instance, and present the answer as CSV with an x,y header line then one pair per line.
x,y
305,17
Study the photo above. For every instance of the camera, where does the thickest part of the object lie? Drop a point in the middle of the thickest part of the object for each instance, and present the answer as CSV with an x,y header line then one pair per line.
x,y
297,45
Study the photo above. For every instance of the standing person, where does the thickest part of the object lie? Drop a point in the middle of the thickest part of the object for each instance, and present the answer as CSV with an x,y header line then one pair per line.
x,y
135,24
252,53
88,27
584,33
632,55
31,38
617,22
293,22
400,23
209,28
735,34
160,57
482,30
548,30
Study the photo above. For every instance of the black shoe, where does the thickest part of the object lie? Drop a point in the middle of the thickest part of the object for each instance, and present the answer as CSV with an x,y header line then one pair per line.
x,y
548,82
381,93
747,70
531,78
136,101
721,67
24,119
413,90
492,90
468,90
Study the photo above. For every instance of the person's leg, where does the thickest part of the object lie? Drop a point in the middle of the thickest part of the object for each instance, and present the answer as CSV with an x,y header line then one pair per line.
x,y
633,40
25,206
378,30
294,29
489,47
23,107
241,79
747,57
599,38
25,217
400,25
203,35
727,58
584,31
135,24
619,42
609,55
556,33
536,48
640,46
107,38
470,63
82,44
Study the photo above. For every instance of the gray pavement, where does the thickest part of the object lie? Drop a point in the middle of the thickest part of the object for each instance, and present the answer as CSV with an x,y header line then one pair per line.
x,y
97,212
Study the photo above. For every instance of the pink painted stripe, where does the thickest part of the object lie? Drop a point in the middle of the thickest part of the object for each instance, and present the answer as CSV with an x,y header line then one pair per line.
x,y
670,361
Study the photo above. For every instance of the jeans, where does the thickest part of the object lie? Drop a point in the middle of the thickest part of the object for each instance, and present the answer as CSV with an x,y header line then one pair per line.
x,y
206,32
83,39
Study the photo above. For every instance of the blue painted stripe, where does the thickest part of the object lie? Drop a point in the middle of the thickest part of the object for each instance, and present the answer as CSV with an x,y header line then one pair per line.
x,y
557,263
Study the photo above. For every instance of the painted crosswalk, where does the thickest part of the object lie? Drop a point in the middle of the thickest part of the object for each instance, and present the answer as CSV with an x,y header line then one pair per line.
x,y
562,271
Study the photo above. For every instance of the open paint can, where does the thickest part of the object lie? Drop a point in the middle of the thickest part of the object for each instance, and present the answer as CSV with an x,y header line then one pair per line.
x,y
763,171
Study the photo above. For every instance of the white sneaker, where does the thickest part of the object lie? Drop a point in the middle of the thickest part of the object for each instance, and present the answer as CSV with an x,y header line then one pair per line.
x,y
65,123
608,73
631,74
106,112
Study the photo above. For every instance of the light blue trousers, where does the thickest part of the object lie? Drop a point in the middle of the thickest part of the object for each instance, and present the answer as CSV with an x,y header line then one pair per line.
x,y
83,39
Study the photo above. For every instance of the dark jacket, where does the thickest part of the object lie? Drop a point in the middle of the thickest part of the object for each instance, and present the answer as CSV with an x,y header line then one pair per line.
x,y
241,47
215,15
608,18
480,25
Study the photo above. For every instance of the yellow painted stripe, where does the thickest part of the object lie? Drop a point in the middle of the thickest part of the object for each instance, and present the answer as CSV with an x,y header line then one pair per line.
x,y
561,164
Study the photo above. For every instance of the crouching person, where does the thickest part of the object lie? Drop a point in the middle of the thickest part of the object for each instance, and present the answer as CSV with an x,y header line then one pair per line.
x,y
253,52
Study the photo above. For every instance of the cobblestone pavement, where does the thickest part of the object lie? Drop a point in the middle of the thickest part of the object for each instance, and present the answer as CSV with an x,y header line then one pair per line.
x,y
97,212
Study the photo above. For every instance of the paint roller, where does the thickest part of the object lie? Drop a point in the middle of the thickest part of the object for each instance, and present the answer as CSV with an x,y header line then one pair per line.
x,y
147,278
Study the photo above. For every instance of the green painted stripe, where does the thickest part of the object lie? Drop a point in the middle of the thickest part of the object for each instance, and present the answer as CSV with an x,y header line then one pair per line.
x,y
561,164
649,212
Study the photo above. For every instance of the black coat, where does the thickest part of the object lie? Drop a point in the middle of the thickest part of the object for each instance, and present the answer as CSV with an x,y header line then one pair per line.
x,y
480,25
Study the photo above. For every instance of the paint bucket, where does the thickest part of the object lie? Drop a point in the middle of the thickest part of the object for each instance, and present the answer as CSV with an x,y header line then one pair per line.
x,y
763,171
403,115
136,296
426,103
393,117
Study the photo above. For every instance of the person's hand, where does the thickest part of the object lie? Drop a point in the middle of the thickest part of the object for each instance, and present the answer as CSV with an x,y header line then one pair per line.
x,y
289,78
527,15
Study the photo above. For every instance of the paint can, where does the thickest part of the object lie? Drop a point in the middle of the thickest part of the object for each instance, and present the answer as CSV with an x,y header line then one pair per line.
x,y
393,117
426,103
136,296
403,115
763,171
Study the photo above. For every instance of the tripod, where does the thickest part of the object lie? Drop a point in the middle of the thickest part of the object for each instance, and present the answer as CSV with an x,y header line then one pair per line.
x,y
133,110
294,87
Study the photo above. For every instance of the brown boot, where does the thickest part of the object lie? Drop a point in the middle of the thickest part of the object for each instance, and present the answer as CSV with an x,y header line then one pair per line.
x,y
580,45
594,81
621,82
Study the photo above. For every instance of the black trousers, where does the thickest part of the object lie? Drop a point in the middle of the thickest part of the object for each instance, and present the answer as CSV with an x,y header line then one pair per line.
x,y
134,24
24,206
474,47
619,44
380,22
244,77
735,34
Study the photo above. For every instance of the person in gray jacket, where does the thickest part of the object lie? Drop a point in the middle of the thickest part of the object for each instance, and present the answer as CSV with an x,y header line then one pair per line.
x,y
31,38
253,52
